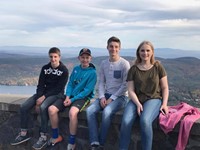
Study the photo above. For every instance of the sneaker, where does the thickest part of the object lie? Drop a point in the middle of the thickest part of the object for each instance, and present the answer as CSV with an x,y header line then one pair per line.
x,y
101,147
20,139
40,143
94,147
71,147
53,141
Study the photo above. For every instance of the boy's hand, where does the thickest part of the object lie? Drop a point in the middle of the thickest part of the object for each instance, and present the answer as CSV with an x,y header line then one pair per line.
x,y
103,102
67,102
109,101
38,103
40,100
37,109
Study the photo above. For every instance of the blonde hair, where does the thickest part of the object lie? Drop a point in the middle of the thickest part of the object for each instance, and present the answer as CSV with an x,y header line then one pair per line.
x,y
138,59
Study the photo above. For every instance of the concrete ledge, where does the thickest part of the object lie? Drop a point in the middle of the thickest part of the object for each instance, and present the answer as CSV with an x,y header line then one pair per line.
x,y
11,104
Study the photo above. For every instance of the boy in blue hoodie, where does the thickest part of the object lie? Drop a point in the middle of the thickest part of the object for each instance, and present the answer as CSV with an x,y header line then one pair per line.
x,y
80,90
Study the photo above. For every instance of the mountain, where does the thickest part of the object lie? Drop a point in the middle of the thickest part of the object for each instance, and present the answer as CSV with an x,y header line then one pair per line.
x,y
183,73
68,52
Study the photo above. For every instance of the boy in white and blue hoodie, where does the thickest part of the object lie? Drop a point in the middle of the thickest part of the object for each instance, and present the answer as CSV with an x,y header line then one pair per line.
x,y
80,90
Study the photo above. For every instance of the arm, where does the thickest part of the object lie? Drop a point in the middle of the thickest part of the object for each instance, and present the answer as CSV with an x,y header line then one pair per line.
x,y
101,86
165,94
41,84
133,96
70,85
101,82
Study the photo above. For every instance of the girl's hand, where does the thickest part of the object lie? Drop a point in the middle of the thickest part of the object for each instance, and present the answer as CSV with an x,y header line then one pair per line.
x,y
164,109
139,109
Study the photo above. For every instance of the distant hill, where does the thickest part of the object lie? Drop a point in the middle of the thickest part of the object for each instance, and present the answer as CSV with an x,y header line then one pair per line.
x,y
73,51
183,73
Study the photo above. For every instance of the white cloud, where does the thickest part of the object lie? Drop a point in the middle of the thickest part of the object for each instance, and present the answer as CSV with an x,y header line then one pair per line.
x,y
91,23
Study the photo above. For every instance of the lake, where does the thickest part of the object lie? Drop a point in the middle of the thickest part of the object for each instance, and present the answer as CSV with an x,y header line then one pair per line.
x,y
23,90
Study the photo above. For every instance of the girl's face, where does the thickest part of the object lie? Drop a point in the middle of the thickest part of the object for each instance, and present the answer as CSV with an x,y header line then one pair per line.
x,y
145,52
85,60
54,59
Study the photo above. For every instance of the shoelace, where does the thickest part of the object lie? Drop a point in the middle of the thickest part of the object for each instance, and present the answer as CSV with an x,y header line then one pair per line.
x,y
18,137
52,142
40,140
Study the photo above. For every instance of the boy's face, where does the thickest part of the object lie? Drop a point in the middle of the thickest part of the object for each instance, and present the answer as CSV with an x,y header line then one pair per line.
x,y
85,59
113,48
54,59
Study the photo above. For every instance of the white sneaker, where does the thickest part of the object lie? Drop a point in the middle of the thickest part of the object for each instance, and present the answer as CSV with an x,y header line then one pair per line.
x,y
71,147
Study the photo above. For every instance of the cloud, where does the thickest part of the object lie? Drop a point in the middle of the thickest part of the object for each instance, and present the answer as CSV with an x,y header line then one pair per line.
x,y
91,23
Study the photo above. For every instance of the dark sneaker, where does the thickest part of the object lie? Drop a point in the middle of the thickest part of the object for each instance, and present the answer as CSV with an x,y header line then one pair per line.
x,y
40,143
101,147
20,139
53,141
94,147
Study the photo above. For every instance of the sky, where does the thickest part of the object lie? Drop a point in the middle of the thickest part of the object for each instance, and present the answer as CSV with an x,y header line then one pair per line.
x,y
72,23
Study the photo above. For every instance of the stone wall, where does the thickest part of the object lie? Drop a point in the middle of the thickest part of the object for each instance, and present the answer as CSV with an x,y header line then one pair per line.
x,y
10,121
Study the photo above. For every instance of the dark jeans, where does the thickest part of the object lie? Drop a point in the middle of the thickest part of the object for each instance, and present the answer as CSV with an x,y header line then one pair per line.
x,y
27,106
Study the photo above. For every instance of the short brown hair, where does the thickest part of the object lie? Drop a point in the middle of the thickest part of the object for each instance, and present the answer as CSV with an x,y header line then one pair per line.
x,y
114,39
55,50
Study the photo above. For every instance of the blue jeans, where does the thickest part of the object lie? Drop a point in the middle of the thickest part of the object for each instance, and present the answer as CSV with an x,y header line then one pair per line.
x,y
107,114
150,111
27,106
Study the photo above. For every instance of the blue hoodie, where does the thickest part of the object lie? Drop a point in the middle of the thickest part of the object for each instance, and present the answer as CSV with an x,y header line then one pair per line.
x,y
82,83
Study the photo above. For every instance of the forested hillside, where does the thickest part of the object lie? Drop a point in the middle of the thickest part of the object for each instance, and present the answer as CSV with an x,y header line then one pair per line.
x,y
183,73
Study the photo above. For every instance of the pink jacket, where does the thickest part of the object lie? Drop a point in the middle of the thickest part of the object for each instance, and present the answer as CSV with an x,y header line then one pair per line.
x,y
168,122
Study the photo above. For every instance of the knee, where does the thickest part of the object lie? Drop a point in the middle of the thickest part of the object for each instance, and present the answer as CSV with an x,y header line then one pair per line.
x,y
144,122
72,115
126,120
107,112
90,111
43,109
23,109
52,110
